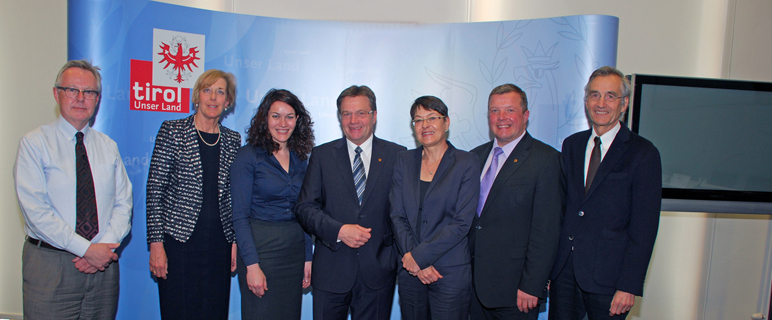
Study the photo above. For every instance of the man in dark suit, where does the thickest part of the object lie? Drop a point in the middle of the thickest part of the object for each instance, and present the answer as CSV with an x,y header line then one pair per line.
x,y
613,196
344,202
514,236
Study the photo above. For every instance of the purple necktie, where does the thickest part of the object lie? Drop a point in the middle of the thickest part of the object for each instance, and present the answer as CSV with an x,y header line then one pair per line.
x,y
487,180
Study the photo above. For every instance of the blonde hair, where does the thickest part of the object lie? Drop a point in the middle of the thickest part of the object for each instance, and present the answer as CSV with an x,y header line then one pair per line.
x,y
208,78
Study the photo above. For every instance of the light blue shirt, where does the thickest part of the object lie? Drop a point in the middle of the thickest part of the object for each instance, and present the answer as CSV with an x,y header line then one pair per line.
x,y
45,180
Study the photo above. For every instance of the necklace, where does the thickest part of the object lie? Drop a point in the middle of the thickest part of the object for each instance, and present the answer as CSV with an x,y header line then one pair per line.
x,y
207,143
202,138
428,165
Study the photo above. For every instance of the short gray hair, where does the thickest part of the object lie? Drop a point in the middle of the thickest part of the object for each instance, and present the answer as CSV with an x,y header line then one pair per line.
x,y
608,71
85,65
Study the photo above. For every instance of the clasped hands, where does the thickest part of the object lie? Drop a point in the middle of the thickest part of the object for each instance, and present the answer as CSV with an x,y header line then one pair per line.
x,y
354,235
97,257
427,275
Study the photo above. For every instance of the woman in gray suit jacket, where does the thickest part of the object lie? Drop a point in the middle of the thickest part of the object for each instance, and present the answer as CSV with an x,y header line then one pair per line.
x,y
434,196
189,228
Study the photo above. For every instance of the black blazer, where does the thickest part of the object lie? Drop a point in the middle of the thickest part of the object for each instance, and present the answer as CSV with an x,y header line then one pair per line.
x,y
611,229
328,200
515,239
449,207
174,190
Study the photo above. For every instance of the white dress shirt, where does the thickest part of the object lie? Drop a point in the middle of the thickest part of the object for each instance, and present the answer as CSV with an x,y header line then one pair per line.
x,y
367,153
605,142
45,177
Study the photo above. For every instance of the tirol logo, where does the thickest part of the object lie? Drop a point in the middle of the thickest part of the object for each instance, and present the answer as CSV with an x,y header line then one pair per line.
x,y
164,83
178,58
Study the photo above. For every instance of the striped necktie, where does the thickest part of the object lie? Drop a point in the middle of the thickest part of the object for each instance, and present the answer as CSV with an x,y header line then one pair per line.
x,y
359,174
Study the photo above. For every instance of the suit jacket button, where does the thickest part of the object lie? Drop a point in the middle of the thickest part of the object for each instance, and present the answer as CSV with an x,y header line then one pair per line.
x,y
425,222
581,213
571,237
360,216
478,227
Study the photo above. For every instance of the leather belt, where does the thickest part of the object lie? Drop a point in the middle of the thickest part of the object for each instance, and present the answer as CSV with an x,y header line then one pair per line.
x,y
40,243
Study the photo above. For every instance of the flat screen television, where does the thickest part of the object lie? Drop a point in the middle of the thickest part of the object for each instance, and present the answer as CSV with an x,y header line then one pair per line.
x,y
714,137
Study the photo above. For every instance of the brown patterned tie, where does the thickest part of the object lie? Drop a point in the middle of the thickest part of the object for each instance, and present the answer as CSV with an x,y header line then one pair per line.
x,y
87,222
594,164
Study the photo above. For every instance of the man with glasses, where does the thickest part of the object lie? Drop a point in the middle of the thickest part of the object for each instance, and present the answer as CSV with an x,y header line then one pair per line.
x,y
76,200
613,194
344,202
514,236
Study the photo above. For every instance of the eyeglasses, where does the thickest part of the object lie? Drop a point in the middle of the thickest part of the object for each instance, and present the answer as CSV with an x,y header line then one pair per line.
x,y
359,114
609,96
429,121
74,93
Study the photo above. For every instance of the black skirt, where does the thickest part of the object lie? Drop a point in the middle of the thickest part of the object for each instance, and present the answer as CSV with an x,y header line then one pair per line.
x,y
281,249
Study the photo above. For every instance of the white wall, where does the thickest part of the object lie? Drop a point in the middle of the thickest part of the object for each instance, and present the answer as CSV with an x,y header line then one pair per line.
x,y
705,266
749,48
33,45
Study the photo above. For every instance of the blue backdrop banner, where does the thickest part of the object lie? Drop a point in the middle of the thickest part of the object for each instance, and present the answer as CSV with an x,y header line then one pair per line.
x,y
151,54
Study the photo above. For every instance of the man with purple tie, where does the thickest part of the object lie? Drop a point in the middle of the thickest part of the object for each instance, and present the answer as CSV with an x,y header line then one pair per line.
x,y
76,200
514,237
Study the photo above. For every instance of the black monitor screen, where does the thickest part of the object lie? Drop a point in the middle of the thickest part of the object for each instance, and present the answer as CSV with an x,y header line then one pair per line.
x,y
714,136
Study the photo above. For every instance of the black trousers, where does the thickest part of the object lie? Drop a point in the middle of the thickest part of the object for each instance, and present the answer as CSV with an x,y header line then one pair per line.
x,y
479,312
569,302
446,299
364,303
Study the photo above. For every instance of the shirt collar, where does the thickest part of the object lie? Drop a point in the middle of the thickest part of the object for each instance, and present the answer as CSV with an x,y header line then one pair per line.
x,y
509,147
367,145
607,138
69,131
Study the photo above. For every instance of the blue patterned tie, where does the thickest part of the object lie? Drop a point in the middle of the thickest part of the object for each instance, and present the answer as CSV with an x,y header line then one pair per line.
x,y
359,174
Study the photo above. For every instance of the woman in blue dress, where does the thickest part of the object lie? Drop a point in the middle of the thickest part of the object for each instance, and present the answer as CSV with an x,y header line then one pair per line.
x,y
265,181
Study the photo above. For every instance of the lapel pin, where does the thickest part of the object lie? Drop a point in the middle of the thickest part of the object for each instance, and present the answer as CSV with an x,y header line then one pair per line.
x,y
379,159
515,160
